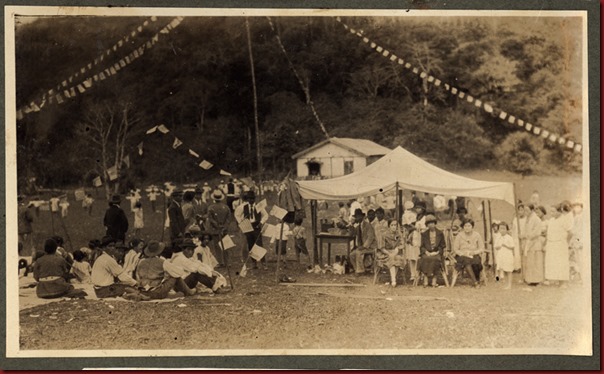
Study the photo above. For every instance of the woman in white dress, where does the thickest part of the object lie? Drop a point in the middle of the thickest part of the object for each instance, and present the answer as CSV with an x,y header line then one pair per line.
x,y
557,265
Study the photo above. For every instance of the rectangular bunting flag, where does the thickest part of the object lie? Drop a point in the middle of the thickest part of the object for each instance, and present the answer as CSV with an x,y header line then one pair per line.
x,y
193,153
112,173
205,165
163,129
151,130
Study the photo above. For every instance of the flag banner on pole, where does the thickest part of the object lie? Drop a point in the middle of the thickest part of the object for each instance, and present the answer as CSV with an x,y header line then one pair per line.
x,y
151,130
193,153
257,252
177,143
245,226
222,172
112,173
261,205
227,242
140,148
243,271
205,165
268,230
163,129
278,212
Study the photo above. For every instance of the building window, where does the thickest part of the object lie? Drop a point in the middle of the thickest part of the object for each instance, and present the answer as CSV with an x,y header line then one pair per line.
x,y
348,167
314,168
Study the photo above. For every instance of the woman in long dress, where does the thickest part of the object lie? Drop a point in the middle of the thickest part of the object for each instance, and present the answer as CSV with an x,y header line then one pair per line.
x,y
390,255
557,265
533,249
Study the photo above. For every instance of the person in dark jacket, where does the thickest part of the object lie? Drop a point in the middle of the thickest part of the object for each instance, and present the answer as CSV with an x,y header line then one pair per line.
x,y
176,217
115,220
431,250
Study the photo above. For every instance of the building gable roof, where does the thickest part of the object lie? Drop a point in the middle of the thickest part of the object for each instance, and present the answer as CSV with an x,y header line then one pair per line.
x,y
363,147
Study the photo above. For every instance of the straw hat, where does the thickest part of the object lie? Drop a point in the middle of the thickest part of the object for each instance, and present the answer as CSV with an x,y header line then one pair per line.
x,y
154,248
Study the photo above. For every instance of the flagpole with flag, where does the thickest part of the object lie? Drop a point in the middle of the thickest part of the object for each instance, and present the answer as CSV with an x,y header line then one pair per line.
x,y
226,260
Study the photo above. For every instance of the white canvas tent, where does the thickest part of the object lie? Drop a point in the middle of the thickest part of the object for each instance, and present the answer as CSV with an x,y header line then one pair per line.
x,y
403,170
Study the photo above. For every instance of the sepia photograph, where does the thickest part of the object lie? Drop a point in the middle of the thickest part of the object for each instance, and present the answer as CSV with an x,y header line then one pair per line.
x,y
308,183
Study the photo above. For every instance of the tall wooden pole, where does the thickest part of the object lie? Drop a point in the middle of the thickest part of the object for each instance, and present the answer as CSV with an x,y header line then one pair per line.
x,y
492,239
313,218
256,127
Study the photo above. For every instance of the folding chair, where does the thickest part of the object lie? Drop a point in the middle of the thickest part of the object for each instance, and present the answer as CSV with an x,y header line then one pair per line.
x,y
377,269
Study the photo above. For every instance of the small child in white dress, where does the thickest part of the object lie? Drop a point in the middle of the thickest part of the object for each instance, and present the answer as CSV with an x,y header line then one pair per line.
x,y
138,218
504,249
80,269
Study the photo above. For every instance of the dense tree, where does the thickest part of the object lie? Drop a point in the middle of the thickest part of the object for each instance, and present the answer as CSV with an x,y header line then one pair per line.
x,y
197,81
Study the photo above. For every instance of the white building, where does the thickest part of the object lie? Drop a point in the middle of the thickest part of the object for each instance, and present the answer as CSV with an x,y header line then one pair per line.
x,y
335,157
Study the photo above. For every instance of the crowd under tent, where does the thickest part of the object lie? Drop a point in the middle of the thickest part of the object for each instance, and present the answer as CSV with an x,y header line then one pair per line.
x,y
401,170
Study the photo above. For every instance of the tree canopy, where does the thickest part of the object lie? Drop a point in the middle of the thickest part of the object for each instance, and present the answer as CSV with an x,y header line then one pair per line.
x,y
197,81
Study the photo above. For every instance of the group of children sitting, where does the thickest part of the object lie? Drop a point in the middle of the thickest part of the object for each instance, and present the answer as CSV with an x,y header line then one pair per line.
x,y
138,271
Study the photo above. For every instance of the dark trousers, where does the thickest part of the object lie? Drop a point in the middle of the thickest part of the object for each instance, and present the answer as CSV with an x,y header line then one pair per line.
x,y
113,290
194,278
253,237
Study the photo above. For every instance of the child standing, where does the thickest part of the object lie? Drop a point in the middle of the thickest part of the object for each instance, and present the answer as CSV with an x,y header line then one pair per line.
x,y
64,204
284,237
87,204
203,253
138,218
504,249
412,243
81,269
299,234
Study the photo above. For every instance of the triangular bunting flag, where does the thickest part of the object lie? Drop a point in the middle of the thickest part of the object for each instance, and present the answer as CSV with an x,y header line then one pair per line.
x,y
193,153
88,83
205,165
177,143
126,161
223,172
140,149
151,130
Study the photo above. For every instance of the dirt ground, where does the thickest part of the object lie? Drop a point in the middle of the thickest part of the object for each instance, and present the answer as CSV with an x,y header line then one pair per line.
x,y
262,314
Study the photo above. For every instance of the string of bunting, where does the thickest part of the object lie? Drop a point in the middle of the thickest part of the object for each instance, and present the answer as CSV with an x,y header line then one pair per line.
x,y
504,116
177,143
68,89
113,171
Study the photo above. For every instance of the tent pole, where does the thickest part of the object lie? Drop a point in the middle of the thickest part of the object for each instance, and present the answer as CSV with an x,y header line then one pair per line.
x,y
484,224
517,224
399,204
492,239
397,210
313,217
